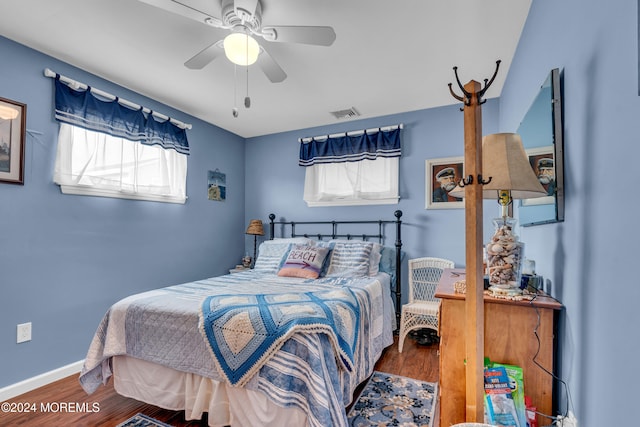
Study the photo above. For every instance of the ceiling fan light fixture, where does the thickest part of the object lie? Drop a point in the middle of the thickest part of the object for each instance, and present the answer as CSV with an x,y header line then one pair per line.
x,y
241,49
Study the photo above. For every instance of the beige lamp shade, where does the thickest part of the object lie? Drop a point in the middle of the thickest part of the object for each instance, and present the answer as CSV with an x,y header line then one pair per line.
x,y
506,163
255,228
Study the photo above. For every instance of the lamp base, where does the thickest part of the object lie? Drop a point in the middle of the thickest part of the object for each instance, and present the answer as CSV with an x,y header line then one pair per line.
x,y
504,254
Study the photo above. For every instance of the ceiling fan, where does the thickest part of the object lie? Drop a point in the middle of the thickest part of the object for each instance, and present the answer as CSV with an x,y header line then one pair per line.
x,y
244,17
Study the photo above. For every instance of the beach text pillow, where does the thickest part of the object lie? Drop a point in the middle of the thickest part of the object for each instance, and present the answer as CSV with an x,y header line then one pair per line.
x,y
304,261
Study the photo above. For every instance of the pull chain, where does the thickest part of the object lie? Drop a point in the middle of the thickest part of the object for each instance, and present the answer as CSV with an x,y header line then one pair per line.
x,y
247,100
234,111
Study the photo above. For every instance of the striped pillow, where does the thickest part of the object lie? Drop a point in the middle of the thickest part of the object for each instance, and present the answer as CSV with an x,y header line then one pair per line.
x,y
270,256
350,259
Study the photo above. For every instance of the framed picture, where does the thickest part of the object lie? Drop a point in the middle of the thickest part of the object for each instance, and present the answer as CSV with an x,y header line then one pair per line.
x,y
12,136
216,186
442,175
543,165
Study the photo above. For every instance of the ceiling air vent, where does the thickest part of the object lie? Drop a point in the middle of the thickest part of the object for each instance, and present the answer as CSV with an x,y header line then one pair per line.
x,y
345,114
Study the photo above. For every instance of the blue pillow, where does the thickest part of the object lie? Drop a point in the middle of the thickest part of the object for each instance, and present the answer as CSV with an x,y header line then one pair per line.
x,y
388,262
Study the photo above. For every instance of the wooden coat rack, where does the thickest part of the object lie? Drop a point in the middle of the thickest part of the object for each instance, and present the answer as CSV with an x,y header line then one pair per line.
x,y
474,303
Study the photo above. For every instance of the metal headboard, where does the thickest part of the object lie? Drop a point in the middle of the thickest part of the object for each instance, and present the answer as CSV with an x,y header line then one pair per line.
x,y
335,233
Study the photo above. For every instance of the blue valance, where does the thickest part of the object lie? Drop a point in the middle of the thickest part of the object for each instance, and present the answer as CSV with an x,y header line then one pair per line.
x,y
351,148
82,108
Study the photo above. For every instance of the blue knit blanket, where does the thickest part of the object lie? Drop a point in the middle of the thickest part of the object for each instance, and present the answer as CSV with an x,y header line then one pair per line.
x,y
244,331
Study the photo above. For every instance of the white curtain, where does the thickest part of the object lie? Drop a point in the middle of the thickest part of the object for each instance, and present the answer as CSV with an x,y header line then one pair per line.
x,y
354,168
352,183
93,163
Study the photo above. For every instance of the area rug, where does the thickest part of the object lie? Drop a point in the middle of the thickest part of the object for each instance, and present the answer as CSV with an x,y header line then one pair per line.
x,y
142,420
392,400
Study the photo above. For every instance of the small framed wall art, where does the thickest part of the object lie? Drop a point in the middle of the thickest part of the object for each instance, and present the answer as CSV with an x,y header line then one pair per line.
x,y
12,139
216,186
442,175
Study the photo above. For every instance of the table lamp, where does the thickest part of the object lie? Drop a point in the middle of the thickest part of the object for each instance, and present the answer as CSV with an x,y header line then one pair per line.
x,y
509,176
255,229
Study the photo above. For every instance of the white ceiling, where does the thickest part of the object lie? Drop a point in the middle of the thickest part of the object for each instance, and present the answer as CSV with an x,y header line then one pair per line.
x,y
388,57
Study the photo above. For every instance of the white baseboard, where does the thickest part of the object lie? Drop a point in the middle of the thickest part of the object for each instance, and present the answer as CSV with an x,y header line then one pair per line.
x,y
13,390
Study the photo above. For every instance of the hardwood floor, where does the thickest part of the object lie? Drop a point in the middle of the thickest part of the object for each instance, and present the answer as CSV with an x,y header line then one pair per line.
x,y
416,361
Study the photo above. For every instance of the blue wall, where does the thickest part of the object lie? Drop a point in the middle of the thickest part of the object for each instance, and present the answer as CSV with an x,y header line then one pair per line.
x,y
591,257
65,259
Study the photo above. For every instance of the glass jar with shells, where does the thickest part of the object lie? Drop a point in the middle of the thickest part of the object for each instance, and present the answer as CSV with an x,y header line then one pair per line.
x,y
504,258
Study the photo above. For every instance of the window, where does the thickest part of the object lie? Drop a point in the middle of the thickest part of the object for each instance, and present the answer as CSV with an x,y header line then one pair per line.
x,y
368,182
97,164
358,169
111,150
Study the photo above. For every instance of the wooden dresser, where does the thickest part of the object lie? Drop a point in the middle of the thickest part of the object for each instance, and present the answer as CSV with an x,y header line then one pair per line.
x,y
509,337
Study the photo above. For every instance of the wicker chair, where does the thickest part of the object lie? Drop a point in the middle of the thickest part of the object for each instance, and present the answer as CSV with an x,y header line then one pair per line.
x,y
423,309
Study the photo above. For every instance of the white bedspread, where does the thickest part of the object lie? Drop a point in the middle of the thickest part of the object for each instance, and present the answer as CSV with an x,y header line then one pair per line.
x,y
161,326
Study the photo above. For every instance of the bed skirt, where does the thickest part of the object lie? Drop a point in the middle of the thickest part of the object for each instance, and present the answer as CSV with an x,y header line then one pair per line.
x,y
179,391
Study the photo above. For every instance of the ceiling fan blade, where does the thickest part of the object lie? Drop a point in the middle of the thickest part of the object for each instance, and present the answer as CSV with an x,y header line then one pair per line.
x,y
270,67
205,56
179,8
322,36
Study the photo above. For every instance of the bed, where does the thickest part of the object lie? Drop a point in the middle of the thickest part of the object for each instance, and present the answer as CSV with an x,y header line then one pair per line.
x,y
285,343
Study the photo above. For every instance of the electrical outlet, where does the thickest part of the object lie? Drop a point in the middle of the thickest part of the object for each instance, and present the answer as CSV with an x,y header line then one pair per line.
x,y
24,332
